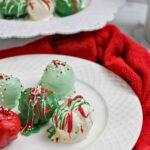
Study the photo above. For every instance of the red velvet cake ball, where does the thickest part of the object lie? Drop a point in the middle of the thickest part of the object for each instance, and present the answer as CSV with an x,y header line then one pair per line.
x,y
9,126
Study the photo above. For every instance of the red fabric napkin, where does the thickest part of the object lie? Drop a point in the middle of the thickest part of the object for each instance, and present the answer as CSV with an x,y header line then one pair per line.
x,y
110,48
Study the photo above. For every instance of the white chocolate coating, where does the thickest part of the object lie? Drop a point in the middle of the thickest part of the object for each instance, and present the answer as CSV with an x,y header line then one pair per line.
x,y
71,122
40,9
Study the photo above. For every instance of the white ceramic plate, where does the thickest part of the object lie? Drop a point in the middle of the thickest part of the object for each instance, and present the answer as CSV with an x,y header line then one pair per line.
x,y
95,16
118,115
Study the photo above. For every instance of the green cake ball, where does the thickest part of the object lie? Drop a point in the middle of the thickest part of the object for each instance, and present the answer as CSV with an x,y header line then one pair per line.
x,y
10,91
60,78
68,7
36,106
13,8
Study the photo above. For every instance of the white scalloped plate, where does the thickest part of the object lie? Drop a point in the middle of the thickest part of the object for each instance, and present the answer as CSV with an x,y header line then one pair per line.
x,y
118,114
95,16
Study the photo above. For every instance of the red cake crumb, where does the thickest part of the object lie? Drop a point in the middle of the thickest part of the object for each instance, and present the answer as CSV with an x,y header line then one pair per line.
x,y
9,126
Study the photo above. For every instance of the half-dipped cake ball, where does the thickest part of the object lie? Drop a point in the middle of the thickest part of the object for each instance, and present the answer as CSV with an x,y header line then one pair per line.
x,y
36,106
10,91
60,78
13,8
68,7
40,9
71,121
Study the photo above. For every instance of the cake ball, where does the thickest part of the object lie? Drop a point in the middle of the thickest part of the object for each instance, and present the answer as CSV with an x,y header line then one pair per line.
x,y
40,9
10,91
13,8
68,7
9,126
36,106
71,121
60,78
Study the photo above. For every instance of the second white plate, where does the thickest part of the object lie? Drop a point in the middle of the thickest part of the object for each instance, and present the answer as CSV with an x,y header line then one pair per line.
x,y
95,16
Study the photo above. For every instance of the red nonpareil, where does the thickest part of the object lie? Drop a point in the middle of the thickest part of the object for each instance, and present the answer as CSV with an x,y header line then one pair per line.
x,y
81,128
1,76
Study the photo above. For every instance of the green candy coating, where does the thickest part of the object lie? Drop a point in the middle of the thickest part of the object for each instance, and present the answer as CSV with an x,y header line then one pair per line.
x,y
60,78
36,106
13,8
10,91
68,7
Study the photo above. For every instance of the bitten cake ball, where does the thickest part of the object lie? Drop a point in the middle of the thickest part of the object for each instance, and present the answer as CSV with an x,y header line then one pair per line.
x,y
10,91
36,106
71,121
13,8
68,7
9,126
60,78
40,9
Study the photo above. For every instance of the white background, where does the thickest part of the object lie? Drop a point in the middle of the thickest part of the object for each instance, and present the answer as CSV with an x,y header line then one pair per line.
x,y
142,1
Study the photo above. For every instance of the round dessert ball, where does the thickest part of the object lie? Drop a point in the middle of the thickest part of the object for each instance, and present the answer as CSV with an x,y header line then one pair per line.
x,y
60,78
10,91
36,106
40,9
9,126
71,121
13,8
68,7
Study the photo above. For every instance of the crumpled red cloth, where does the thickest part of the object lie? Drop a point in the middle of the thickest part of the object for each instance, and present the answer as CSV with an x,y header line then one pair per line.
x,y
111,48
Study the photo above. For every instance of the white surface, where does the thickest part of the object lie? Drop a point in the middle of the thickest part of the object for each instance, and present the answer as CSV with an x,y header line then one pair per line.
x,y
131,19
118,115
95,16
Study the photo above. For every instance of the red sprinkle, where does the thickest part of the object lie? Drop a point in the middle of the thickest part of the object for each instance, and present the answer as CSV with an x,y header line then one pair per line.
x,y
57,139
7,77
43,90
57,63
81,128
1,76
